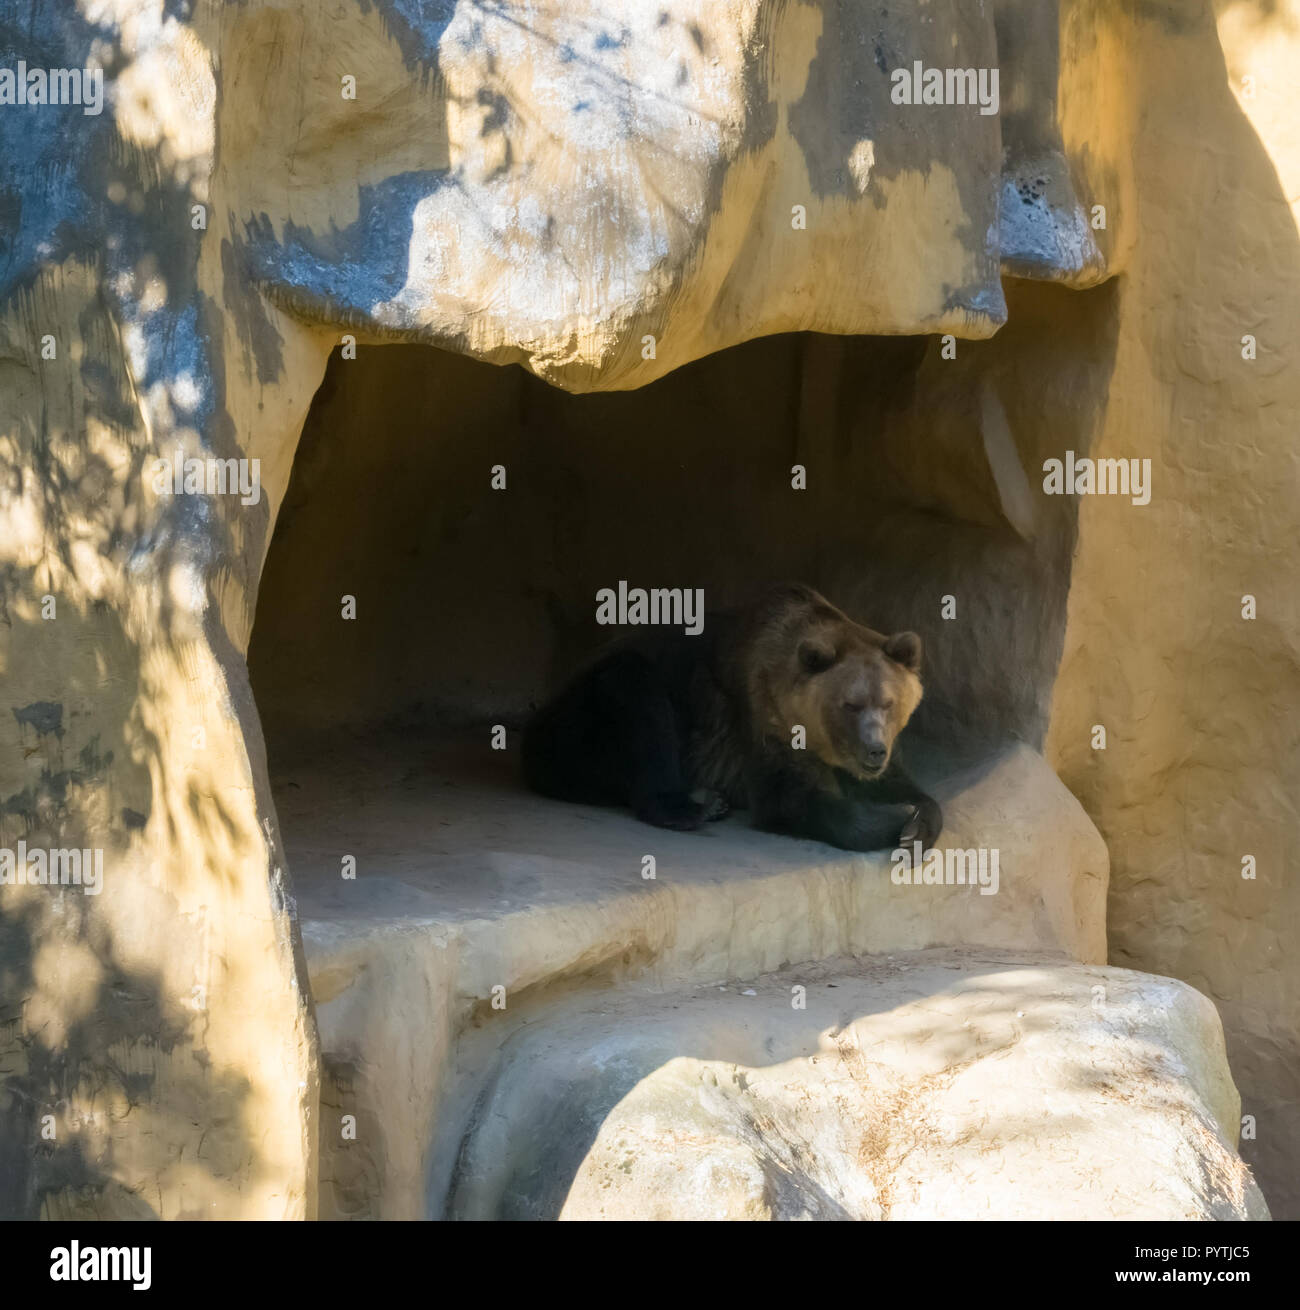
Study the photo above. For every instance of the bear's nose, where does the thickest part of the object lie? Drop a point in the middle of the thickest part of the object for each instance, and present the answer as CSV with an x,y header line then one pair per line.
x,y
876,757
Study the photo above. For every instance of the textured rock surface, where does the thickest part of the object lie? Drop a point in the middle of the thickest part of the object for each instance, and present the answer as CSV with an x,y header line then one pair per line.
x,y
585,178
936,1086
1201,705
465,883
551,189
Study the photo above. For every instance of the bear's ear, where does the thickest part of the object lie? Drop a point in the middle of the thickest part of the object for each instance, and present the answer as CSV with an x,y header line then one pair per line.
x,y
815,656
905,649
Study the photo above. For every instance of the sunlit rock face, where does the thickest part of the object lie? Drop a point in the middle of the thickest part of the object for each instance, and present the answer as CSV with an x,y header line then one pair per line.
x,y
602,194
566,184
939,1085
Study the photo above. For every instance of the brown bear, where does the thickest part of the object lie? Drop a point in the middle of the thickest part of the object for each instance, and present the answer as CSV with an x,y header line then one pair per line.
x,y
787,708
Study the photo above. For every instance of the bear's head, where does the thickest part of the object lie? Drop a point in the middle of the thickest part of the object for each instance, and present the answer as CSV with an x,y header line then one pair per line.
x,y
851,689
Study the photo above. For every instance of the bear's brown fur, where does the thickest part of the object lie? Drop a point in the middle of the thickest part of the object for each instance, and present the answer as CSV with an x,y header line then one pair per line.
x,y
684,727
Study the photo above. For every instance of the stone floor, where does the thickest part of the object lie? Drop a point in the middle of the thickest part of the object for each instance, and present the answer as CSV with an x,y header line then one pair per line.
x,y
442,832
476,903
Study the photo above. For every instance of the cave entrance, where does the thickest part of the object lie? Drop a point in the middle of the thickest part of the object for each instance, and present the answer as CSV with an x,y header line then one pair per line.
x,y
472,513
430,884
448,523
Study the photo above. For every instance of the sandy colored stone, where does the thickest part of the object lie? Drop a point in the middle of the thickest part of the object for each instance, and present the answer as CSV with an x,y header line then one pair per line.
x,y
550,191
1200,704
473,885
939,1086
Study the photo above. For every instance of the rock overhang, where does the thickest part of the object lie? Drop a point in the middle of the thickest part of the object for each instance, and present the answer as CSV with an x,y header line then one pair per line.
x,y
607,200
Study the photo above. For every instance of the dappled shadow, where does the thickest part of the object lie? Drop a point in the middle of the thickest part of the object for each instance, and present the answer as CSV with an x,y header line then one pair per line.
x,y
96,239
117,1099
887,1097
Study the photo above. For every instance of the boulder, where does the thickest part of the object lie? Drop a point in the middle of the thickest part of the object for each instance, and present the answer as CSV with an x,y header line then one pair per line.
x,y
939,1085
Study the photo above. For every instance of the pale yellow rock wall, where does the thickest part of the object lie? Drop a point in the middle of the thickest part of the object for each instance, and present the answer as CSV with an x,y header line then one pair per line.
x,y
165,1024
1201,706
165,1050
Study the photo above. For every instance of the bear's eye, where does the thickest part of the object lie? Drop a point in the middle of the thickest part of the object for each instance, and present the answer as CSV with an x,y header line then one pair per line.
x,y
815,659
886,705
855,706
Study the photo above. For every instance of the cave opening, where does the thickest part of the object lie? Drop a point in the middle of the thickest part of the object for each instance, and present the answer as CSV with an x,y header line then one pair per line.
x,y
472,513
